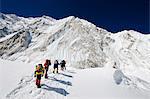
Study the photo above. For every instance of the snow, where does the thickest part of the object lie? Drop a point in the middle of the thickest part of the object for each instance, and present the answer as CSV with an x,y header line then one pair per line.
x,y
71,84
7,37
99,83
132,50
118,76
11,73
54,41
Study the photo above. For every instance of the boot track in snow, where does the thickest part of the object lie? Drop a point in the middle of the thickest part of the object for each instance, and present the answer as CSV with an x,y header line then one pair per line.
x,y
54,87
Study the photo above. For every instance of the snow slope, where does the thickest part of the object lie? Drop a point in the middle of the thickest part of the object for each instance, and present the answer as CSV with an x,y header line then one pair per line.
x,y
99,83
11,73
70,84
130,52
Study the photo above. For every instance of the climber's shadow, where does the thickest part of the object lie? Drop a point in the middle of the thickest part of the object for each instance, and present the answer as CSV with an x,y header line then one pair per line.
x,y
66,75
58,90
70,71
62,82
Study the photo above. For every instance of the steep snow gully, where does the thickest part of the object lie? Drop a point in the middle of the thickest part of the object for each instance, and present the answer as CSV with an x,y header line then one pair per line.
x,y
96,59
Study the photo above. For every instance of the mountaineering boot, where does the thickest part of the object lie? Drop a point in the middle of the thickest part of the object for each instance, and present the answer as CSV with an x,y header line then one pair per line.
x,y
38,86
46,75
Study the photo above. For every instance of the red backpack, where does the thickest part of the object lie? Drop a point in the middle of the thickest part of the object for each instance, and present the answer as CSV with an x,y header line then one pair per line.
x,y
47,63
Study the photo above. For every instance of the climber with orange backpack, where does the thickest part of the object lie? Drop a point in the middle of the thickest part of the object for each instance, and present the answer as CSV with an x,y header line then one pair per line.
x,y
46,66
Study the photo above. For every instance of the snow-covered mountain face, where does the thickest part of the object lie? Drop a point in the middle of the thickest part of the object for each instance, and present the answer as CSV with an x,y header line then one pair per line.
x,y
79,42
33,39
130,52
72,39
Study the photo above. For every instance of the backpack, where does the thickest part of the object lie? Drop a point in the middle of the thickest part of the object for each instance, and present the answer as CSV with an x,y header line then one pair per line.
x,y
47,63
63,62
39,67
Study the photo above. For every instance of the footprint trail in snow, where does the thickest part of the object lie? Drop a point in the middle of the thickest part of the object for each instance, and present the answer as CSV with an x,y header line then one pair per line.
x,y
56,86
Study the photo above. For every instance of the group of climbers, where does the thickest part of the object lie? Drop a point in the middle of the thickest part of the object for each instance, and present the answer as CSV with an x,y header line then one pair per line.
x,y
43,70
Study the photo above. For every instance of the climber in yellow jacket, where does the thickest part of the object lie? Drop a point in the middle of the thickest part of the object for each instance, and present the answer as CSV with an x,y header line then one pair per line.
x,y
38,74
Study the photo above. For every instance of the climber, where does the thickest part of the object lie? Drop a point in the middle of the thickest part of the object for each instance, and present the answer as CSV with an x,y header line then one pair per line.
x,y
62,63
56,66
38,74
46,66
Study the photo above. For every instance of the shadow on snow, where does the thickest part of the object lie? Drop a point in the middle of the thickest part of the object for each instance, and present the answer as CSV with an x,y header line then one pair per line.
x,y
63,82
57,90
71,71
66,75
